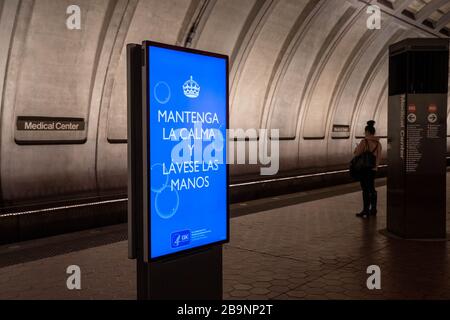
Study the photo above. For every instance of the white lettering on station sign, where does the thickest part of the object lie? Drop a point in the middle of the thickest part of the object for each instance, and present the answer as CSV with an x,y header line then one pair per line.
x,y
44,124
50,130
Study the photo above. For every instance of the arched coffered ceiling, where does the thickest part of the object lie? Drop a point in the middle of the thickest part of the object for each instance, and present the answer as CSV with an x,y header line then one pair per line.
x,y
430,15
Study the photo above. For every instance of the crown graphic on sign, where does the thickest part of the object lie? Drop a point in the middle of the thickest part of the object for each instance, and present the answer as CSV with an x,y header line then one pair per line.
x,y
191,89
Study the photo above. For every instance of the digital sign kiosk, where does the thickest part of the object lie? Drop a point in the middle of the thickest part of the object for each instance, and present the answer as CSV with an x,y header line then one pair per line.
x,y
417,138
185,206
187,172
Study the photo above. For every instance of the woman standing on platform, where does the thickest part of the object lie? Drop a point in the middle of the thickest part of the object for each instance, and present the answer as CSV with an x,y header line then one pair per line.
x,y
369,144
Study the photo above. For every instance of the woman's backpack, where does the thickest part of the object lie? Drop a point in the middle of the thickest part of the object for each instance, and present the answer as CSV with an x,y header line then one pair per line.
x,y
362,163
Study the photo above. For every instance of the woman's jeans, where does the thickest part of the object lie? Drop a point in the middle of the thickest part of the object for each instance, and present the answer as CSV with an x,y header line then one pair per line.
x,y
369,193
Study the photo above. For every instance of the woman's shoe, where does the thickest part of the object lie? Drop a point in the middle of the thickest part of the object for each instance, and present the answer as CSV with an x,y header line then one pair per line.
x,y
373,204
362,214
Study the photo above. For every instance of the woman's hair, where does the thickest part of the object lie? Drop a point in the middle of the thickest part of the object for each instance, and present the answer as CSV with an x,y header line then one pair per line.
x,y
370,128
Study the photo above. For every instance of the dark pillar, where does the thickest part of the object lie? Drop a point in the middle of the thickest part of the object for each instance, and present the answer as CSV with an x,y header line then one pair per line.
x,y
417,138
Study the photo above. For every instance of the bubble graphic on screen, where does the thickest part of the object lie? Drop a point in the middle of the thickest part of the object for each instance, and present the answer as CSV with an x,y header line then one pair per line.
x,y
162,92
166,203
159,180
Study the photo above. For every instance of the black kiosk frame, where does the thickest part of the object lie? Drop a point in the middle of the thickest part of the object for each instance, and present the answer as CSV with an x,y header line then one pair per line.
x,y
193,274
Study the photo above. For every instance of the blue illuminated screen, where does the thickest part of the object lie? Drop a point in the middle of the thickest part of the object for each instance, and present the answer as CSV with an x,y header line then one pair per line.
x,y
187,150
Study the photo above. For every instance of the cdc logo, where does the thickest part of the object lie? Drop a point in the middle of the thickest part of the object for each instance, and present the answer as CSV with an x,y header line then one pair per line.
x,y
180,239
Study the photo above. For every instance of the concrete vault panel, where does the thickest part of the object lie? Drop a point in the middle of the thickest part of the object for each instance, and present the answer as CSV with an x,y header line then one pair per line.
x,y
300,66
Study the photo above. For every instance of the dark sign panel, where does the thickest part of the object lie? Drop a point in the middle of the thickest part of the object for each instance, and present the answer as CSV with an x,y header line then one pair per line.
x,y
340,131
417,146
50,130
49,124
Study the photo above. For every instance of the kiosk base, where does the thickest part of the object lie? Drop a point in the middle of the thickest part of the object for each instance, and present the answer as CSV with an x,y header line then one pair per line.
x,y
196,276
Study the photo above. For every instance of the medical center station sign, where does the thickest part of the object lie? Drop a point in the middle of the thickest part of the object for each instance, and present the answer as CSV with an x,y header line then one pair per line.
x,y
188,176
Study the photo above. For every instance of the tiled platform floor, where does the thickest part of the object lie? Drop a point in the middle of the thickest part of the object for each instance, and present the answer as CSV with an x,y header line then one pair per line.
x,y
312,250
